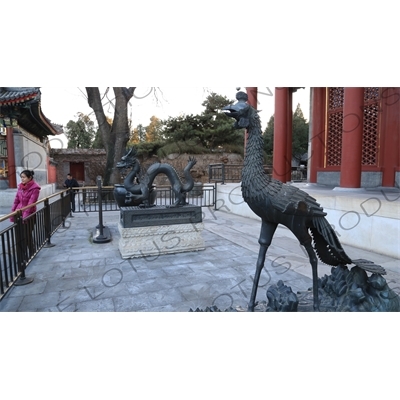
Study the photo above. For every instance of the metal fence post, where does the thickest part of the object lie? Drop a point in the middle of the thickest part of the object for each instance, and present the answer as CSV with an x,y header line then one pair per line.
x,y
101,233
215,196
62,210
47,223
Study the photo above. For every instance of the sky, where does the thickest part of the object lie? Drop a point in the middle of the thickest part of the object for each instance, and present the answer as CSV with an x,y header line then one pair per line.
x,y
62,104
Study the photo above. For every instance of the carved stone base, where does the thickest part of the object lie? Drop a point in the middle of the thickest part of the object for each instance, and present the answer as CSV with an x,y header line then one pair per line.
x,y
151,241
150,232
135,217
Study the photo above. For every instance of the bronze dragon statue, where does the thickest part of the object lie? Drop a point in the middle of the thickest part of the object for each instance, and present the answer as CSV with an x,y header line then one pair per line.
x,y
138,187
279,203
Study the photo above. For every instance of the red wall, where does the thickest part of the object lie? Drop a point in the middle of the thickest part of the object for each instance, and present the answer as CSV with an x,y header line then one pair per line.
x,y
52,173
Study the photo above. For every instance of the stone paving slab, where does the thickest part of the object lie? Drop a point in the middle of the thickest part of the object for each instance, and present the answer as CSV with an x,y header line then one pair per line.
x,y
79,275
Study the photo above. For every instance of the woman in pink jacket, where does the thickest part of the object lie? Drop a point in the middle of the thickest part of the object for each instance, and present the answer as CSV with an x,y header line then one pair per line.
x,y
28,193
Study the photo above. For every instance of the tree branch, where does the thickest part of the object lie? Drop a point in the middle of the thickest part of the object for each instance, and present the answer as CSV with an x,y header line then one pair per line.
x,y
128,92
94,101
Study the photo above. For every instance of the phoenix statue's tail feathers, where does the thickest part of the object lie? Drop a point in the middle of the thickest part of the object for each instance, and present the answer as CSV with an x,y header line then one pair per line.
x,y
369,266
330,250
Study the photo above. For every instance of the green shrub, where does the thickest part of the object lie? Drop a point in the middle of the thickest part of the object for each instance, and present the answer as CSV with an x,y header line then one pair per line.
x,y
148,149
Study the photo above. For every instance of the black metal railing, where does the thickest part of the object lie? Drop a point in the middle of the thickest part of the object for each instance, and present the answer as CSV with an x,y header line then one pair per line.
x,y
223,173
299,174
87,198
22,239
201,195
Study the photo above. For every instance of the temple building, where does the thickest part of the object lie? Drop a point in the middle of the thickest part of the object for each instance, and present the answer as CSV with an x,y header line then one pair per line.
x,y
24,143
353,162
354,136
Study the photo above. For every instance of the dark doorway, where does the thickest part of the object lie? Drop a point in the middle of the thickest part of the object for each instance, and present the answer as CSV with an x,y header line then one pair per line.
x,y
77,170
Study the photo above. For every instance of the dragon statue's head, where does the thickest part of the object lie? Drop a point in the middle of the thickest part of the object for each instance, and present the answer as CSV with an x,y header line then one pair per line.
x,y
241,111
128,160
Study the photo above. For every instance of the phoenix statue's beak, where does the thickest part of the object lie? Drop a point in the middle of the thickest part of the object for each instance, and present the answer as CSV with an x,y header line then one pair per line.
x,y
233,110
238,110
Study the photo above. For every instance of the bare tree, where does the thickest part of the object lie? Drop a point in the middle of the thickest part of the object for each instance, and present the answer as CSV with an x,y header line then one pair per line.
x,y
115,135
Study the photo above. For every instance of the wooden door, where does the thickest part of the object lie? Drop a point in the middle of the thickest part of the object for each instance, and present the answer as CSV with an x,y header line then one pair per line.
x,y
77,170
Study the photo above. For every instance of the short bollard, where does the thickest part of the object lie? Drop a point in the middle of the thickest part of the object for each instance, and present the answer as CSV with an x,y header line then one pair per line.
x,y
101,234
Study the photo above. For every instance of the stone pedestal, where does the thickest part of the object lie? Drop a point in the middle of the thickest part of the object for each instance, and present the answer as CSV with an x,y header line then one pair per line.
x,y
150,232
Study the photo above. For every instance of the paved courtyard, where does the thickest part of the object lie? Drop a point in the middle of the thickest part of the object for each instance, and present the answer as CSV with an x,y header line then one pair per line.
x,y
79,275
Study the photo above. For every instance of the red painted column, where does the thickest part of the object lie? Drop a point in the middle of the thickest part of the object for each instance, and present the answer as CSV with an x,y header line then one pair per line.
x,y
252,94
281,164
350,175
289,136
318,115
390,135
12,179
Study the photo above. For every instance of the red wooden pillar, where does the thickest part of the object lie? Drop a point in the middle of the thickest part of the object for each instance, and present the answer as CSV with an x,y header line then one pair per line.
x,y
350,175
318,112
289,136
12,179
390,132
252,94
281,164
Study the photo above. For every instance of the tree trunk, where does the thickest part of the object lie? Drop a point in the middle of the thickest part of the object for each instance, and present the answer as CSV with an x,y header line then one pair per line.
x,y
115,136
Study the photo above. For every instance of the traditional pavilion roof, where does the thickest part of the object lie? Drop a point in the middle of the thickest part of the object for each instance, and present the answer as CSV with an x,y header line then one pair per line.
x,y
17,95
23,104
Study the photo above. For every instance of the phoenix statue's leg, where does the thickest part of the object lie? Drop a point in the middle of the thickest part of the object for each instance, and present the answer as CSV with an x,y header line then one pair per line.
x,y
314,266
267,232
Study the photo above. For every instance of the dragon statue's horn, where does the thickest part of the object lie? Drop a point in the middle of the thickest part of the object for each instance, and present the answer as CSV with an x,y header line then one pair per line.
x,y
131,152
